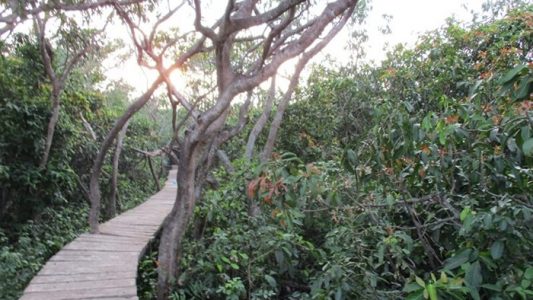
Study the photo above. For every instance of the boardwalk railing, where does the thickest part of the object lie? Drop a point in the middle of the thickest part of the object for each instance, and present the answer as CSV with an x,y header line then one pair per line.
x,y
104,266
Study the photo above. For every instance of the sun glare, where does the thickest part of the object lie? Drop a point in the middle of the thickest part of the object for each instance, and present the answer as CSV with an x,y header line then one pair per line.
x,y
178,79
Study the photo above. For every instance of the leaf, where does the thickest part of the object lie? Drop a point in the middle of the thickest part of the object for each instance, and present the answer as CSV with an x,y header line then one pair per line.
x,y
338,294
474,88
411,287
420,281
432,292
271,281
492,287
279,257
442,137
443,278
426,123
252,187
408,106
466,211
458,259
525,283
474,293
496,250
523,89
528,274
452,119
390,200
527,147
350,154
525,133
425,149
511,74
416,296
473,279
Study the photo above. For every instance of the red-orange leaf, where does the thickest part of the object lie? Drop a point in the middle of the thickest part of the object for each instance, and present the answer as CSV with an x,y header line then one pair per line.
x,y
252,188
451,119
425,149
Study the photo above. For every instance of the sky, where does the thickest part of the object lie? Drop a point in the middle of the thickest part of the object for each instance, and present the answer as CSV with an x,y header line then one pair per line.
x,y
409,19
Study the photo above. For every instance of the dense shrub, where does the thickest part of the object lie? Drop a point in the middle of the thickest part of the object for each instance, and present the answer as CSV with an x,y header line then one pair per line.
x,y
414,182
41,209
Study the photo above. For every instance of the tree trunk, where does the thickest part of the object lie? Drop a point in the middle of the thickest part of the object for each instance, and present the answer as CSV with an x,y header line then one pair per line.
x,y
276,122
51,126
224,159
261,122
88,127
94,185
209,124
306,56
154,175
175,225
5,202
111,208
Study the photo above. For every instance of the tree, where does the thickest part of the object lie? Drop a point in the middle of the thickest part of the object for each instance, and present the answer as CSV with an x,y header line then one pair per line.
x,y
72,43
14,12
246,45
80,43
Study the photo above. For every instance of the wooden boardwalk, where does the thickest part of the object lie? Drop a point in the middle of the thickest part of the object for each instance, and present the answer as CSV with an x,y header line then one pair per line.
x,y
104,266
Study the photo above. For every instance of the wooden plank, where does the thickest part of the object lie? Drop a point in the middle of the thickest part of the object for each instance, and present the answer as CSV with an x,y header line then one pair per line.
x,y
70,269
113,240
108,237
81,257
85,246
82,294
104,266
84,285
129,234
123,224
94,264
117,298
121,230
89,252
75,278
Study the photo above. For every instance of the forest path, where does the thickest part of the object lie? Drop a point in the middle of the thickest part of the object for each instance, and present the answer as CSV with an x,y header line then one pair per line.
x,y
104,266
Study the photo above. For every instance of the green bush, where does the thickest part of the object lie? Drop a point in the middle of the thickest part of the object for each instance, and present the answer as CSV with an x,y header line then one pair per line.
x,y
411,180
41,209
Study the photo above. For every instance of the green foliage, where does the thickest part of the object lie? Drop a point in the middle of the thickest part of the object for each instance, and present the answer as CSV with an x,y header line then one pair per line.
x,y
411,179
452,124
147,272
333,113
230,252
43,209
37,240
419,186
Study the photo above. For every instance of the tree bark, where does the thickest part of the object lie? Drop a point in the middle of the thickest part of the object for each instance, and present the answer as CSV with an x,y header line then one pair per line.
x,y
94,185
111,208
154,175
278,117
207,126
57,80
261,122
175,225
5,202
88,127
51,127
306,56
224,159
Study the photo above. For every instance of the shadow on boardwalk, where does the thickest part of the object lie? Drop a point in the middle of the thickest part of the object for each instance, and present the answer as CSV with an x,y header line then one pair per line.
x,y
104,266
